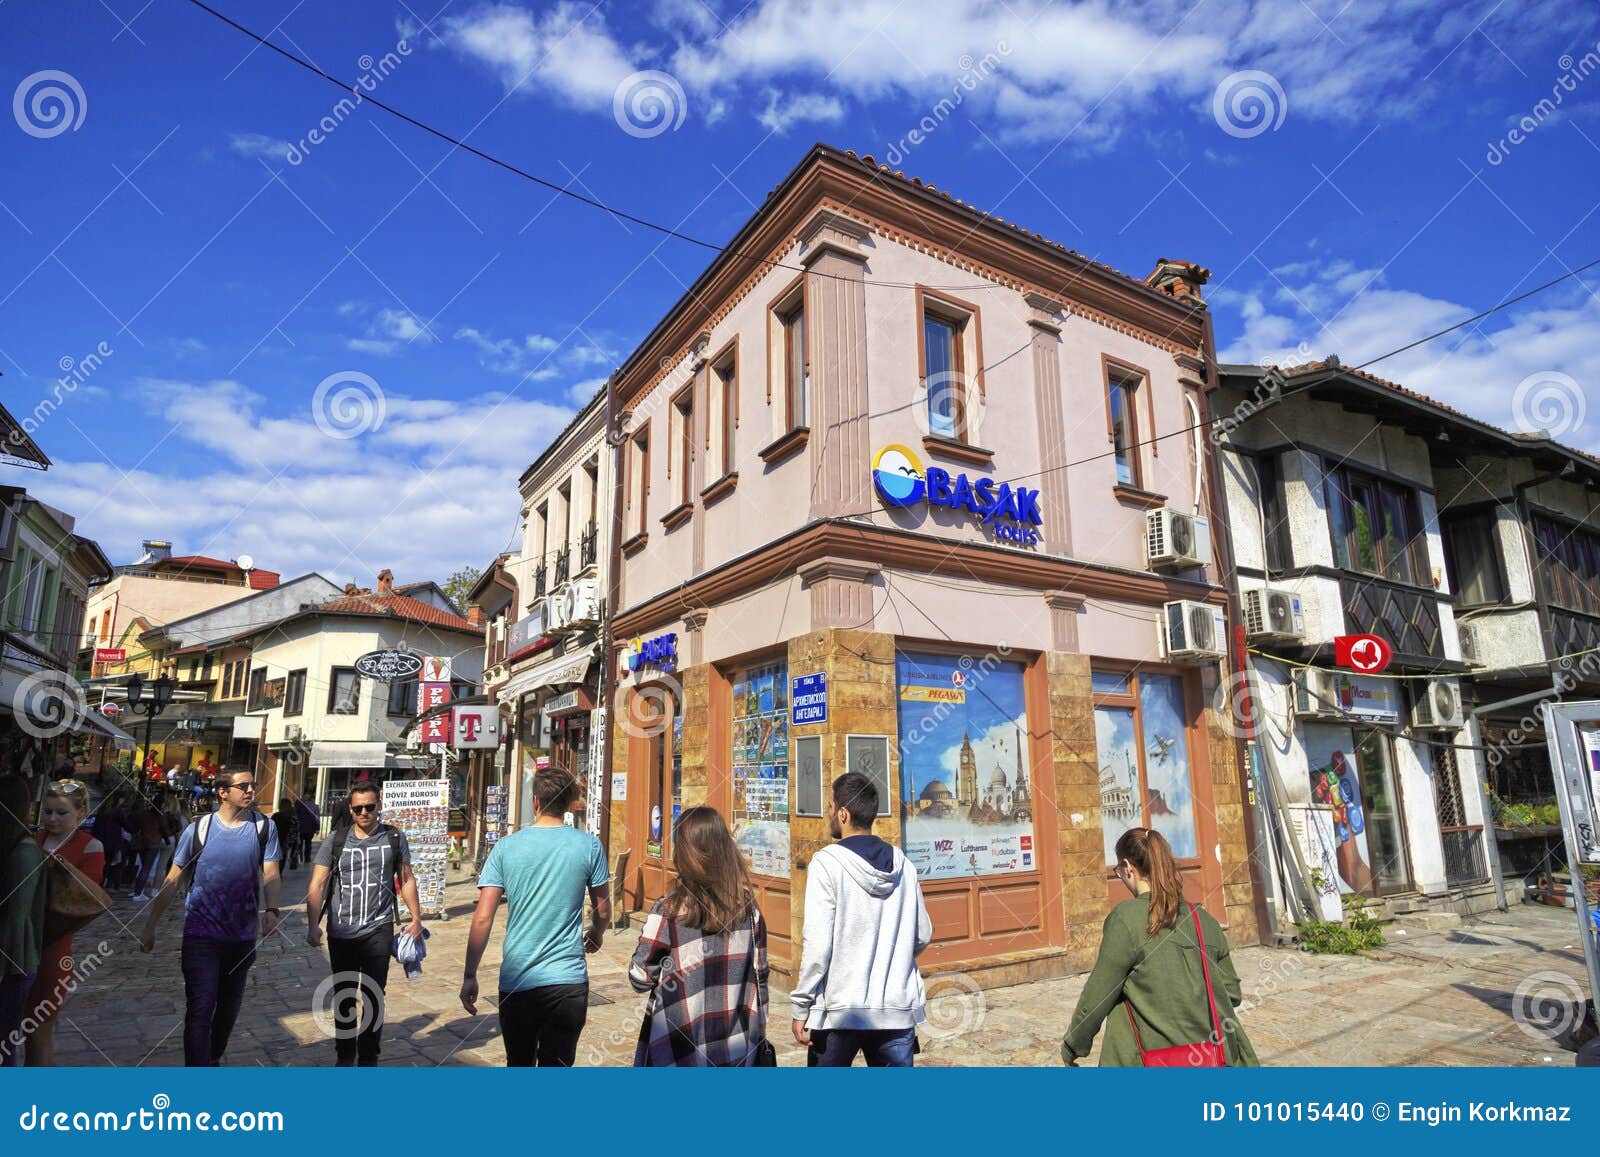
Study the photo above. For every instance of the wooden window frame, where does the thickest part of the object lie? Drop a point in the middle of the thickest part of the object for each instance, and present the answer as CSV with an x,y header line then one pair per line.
x,y
636,468
793,298
294,692
683,444
333,690
255,688
1339,483
965,320
1134,381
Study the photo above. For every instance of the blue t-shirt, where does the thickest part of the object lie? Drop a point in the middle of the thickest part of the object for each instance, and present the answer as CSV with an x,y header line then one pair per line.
x,y
545,873
224,889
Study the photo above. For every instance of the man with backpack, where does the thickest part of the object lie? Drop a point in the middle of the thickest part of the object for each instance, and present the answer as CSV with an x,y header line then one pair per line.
x,y
358,870
230,858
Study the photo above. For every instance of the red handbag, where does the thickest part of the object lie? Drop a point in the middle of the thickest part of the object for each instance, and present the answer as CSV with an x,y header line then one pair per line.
x,y
1206,1054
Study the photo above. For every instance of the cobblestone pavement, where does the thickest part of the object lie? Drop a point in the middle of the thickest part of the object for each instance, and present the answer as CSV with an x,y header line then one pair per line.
x,y
1441,997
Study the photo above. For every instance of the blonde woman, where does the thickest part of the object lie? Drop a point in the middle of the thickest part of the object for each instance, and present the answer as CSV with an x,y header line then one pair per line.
x,y
65,807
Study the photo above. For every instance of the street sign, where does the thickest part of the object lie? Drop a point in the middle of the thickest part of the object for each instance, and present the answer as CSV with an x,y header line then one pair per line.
x,y
389,666
110,655
1366,654
110,710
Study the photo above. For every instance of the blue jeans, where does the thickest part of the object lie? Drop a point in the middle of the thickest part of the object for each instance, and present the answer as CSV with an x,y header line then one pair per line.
x,y
883,1048
214,973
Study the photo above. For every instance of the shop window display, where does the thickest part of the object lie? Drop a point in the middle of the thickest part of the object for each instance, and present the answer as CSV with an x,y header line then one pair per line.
x,y
1145,780
964,765
761,767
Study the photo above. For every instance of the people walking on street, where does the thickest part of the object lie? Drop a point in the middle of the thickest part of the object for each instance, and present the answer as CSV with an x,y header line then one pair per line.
x,y
231,859
149,836
288,825
22,913
64,808
1163,979
310,821
858,989
111,827
358,872
542,872
702,956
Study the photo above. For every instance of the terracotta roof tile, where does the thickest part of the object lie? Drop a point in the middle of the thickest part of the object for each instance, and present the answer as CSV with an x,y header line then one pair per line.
x,y
395,606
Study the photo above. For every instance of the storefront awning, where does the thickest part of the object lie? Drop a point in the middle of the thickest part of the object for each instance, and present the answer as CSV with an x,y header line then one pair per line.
x,y
348,753
567,669
95,723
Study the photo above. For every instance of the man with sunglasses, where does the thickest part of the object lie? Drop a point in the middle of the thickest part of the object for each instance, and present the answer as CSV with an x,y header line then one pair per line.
x,y
367,862
231,860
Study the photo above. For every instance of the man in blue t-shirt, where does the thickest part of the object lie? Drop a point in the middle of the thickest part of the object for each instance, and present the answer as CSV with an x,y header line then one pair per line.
x,y
543,872
231,859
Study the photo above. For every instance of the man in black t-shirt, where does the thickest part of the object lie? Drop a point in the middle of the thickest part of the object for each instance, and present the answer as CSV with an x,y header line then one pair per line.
x,y
358,870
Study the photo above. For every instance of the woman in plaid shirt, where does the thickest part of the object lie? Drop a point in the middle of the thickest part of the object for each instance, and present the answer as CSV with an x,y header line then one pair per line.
x,y
703,956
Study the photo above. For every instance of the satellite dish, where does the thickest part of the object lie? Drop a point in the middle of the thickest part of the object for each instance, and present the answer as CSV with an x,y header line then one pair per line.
x,y
245,562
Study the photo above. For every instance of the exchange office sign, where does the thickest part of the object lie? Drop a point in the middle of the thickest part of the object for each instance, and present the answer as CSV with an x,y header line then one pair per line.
x,y
389,666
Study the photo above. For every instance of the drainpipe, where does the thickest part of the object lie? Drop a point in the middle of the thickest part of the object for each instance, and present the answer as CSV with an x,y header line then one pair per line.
x,y
1265,886
613,587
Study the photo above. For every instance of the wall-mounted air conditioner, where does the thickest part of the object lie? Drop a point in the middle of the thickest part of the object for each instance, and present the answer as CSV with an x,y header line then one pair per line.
x,y
582,604
293,733
1174,540
1193,632
1471,644
1316,693
555,613
1436,705
1273,615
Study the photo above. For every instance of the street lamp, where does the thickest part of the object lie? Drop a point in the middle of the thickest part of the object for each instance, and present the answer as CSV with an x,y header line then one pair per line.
x,y
160,698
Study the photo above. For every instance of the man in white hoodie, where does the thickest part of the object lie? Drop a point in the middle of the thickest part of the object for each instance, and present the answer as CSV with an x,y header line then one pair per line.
x,y
859,990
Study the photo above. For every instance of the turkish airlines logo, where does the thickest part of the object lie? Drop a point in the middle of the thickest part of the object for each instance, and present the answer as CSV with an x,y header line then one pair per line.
x,y
1365,654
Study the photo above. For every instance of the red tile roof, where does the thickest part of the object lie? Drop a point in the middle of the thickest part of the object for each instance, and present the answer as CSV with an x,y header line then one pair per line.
x,y
395,606
260,580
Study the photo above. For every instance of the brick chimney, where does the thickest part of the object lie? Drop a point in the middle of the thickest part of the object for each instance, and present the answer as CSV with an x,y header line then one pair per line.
x,y
475,615
386,581
1180,279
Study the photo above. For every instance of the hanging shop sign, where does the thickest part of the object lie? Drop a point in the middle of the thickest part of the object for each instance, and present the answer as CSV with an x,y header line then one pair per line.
x,y
1362,698
475,728
568,702
527,634
435,669
660,652
901,480
808,699
389,666
110,655
1363,654
435,728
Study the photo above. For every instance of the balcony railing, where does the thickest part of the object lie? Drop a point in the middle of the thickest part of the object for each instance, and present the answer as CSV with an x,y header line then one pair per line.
x,y
562,565
539,583
588,546
1407,618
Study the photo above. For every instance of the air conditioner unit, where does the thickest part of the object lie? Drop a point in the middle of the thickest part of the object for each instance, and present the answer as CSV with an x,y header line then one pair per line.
x,y
1471,644
1316,693
1273,614
1436,705
555,613
1193,632
1174,540
582,603
293,733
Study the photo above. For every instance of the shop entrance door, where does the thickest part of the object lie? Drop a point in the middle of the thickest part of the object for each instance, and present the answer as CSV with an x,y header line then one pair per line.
x,y
1352,775
655,793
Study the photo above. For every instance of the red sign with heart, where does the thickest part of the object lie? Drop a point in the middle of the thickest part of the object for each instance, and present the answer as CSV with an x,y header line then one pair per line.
x,y
1364,654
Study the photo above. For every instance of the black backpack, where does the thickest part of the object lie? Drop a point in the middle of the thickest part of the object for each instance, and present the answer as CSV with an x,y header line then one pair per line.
x,y
340,837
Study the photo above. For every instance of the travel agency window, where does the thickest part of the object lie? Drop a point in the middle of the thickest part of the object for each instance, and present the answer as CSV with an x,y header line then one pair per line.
x,y
760,761
964,765
1146,773
1356,802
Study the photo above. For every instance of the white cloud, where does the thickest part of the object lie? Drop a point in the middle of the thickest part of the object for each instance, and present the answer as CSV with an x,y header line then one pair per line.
x,y
536,356
259,145
785,110
580,394
388,330
430,489
1337,308
1038,69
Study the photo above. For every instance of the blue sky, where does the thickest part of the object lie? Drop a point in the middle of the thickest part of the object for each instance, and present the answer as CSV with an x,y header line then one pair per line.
x,y
231,265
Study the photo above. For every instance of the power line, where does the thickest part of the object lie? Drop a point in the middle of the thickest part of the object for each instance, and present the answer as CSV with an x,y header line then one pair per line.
x,y
562,190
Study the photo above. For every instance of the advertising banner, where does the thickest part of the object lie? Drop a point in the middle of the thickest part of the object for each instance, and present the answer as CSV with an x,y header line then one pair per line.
x,y
421,809
964,765
761,768
1336,786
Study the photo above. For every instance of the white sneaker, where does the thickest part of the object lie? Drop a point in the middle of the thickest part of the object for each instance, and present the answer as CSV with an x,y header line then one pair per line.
x,y
139,898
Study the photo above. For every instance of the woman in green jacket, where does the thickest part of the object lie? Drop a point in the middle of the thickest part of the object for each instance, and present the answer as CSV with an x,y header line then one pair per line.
x,y
1149,964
